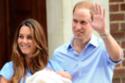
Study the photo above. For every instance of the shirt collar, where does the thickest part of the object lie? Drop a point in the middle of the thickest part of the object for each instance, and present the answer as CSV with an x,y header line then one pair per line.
x,y
93,41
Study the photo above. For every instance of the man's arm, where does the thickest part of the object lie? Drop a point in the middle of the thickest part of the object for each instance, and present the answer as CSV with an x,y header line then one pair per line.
x,y
98,24
114,50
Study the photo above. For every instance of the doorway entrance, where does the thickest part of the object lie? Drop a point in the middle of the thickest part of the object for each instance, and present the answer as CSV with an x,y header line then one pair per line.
x,y
12,13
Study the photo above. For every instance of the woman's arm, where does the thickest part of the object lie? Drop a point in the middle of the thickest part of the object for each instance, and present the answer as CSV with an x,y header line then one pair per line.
x,y
3,80
6,72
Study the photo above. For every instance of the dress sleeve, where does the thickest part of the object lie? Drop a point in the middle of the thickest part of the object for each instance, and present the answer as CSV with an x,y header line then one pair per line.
x,y
7,70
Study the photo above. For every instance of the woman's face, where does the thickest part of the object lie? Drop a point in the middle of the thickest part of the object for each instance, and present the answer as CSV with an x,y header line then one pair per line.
x,y
25,41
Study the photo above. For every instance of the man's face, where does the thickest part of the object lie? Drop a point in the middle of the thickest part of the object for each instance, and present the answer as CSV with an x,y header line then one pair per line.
x,y
81,23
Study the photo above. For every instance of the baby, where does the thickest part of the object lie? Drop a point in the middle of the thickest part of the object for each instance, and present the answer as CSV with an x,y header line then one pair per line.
x,y
49,76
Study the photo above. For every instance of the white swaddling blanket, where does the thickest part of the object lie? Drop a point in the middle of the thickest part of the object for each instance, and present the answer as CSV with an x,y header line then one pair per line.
x,y
47,76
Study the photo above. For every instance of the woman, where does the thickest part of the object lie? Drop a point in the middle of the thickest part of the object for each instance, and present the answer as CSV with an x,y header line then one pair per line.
x,y
29,53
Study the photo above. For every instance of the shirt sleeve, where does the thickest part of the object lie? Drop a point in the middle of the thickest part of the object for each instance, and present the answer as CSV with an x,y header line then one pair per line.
x,y
107,56
7,70
54,66
54,63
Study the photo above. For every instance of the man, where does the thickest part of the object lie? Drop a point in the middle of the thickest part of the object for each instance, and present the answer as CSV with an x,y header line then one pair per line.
x,y
86,57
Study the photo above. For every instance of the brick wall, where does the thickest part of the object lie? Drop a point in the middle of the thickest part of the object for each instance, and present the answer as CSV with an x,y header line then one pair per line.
x,y
117,27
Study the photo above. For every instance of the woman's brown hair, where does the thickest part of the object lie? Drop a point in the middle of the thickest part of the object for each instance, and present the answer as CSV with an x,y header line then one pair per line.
x,y
40,57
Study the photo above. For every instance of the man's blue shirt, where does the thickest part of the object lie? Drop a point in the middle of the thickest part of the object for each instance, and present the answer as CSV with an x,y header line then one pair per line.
x,y
91,65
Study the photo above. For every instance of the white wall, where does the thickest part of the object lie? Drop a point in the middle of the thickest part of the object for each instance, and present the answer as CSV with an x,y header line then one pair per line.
x,y
59,20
